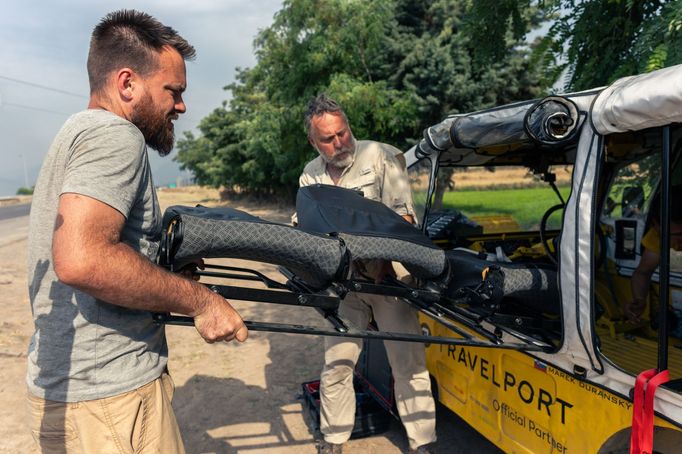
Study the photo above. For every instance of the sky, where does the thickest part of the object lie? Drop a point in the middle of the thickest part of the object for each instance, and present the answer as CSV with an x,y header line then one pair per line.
x,y
45,44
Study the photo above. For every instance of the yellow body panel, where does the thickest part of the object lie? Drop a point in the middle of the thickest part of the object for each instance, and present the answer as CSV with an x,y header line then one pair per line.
x,y
525,405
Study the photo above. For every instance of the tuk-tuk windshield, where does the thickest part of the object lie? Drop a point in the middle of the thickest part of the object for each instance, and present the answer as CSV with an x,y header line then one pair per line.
x,y
495,199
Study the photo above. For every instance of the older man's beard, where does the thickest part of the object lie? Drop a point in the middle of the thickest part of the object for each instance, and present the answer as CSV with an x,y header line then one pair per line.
x,y
156,127
339,160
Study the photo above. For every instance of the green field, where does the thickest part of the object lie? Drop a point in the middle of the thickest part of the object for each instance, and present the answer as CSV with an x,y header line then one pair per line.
x,y
526,205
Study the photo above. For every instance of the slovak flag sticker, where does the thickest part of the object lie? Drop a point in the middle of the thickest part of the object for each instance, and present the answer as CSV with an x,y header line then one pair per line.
x,y
539,365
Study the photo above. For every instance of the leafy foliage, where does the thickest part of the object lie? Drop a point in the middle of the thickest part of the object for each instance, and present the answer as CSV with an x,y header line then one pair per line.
x,y
592,42
397,66
25,191
600,54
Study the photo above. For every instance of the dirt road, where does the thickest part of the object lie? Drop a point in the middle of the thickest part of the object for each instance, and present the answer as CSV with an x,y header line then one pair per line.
x,y
230,398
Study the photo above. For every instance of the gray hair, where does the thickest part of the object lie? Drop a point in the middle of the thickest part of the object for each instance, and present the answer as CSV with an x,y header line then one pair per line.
x,y
319,105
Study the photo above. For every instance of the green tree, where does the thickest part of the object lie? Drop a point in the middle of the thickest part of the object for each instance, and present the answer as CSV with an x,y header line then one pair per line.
x,y
397,66
25,191
439,61
593,41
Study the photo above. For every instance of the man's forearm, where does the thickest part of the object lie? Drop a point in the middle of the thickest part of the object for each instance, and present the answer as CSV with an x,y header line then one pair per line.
x,y
641,278
639,285
87,254
119,275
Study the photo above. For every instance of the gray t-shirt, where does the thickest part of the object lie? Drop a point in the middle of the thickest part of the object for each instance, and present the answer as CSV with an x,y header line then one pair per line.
x,y
84,348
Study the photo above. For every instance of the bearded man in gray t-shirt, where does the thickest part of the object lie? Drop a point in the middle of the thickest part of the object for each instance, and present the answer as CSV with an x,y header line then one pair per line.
x,y
97,363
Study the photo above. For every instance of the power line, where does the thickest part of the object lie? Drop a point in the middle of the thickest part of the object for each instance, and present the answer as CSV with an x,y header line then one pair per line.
x,y
39,109
44,87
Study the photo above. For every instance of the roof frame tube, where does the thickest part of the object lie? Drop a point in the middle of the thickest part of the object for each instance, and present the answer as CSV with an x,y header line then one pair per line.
x,y
664,264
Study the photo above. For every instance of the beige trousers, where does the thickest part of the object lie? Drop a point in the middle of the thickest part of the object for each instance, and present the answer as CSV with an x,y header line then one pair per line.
x,y
412,385
139,421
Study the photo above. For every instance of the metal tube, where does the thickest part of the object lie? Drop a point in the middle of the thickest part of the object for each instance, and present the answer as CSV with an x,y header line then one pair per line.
x,y
664,264
352,333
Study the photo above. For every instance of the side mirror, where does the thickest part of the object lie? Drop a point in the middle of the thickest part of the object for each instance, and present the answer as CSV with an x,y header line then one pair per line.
x,y
626,239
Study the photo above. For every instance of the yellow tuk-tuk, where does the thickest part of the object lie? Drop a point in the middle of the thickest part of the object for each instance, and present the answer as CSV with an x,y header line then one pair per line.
x,y
563,188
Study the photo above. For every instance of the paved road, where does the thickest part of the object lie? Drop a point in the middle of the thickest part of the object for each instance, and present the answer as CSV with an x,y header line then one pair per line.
x,y
13,211
13,223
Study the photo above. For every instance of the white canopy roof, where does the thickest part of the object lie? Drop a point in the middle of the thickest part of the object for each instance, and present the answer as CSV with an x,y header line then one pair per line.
x,y
640,102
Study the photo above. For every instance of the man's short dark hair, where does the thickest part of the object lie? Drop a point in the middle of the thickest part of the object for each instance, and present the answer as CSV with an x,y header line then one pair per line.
x,y
133,39
319,105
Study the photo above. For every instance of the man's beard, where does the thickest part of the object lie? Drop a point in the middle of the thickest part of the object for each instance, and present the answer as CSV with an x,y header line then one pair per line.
x,y
338,161
155,126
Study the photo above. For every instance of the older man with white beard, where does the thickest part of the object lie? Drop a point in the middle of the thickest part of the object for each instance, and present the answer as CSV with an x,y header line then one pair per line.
x,y
375,169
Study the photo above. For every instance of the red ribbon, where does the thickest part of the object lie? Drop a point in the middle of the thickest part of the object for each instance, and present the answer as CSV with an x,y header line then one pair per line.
x,y
642,438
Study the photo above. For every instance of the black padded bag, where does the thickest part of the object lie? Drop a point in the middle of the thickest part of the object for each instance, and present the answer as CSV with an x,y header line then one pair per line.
x,y
370,229
529,286
199,232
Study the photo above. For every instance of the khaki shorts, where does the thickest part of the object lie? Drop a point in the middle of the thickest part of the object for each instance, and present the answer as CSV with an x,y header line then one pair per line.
x,y
139,421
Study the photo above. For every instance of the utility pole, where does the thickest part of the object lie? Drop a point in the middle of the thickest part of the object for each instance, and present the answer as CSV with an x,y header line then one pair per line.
x,y
23,160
